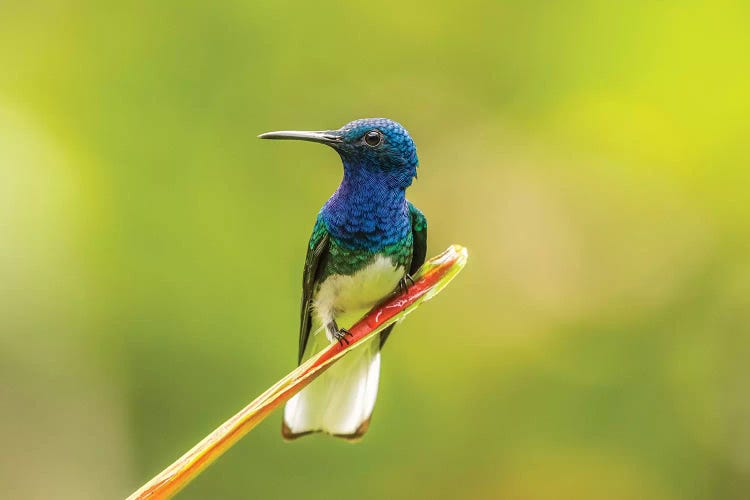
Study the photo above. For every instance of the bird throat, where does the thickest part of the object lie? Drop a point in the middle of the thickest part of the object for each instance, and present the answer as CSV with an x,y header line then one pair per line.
x,y
367,211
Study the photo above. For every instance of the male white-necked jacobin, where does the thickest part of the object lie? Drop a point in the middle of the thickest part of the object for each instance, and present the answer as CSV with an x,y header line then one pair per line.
x,y
366,242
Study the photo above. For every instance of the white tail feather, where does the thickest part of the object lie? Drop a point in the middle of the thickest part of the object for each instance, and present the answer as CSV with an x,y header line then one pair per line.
x,y
341,400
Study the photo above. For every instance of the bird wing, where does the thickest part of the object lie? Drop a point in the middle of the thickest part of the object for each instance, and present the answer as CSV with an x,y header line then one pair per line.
x,y
419,235
418,253
317,253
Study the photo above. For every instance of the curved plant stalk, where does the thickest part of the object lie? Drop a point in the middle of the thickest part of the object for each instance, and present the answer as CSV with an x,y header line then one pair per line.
x,y
431,278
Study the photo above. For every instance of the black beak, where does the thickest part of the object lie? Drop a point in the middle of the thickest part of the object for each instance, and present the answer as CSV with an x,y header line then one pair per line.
x,y
330,137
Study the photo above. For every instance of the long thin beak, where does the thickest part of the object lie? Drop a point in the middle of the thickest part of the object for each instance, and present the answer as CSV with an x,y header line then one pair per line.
x,y
326,137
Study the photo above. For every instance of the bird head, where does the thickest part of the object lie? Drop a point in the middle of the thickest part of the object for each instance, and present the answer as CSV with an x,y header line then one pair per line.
x,y
371,146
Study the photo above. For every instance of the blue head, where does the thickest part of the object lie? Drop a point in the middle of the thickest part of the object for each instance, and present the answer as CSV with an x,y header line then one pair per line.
x,y
371,147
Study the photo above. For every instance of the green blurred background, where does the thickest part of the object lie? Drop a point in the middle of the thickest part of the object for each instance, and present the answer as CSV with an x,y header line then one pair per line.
x,y
591,155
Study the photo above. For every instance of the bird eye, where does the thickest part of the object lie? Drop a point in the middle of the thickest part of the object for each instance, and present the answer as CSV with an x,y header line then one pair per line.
x,y
373,138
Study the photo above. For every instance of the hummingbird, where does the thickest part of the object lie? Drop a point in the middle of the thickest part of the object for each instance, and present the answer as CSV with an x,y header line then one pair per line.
x,y
367,242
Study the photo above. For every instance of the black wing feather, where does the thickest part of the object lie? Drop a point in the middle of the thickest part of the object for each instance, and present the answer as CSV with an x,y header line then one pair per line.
x,y
419,234
317,254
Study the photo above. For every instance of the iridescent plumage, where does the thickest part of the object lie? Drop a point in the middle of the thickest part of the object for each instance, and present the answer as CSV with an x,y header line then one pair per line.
x,y
366,239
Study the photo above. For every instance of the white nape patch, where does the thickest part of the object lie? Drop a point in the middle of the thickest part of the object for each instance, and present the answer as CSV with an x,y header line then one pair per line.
x,y
342,295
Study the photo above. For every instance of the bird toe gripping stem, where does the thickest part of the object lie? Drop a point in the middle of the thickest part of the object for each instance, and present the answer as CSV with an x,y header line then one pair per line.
x,y
404,283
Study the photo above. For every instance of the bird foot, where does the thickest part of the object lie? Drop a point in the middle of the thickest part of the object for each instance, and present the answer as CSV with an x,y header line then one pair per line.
x,y
339,334
404,283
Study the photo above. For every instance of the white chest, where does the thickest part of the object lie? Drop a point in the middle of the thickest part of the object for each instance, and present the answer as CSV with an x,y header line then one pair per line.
x,y
339,295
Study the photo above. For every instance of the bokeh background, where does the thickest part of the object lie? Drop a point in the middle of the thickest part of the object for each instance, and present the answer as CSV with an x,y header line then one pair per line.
x,y
591,155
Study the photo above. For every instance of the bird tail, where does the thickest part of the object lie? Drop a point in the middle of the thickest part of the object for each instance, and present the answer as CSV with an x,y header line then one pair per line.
x,y
340,401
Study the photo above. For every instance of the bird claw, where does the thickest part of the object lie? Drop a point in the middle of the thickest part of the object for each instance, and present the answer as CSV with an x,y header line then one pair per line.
x,y
404,283
341,334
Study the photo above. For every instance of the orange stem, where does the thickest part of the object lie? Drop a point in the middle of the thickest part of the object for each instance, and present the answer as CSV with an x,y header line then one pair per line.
x,y
431,278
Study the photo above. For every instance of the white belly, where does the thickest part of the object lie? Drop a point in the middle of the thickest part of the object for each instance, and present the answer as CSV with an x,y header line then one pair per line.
x,y
347,298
